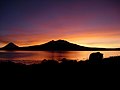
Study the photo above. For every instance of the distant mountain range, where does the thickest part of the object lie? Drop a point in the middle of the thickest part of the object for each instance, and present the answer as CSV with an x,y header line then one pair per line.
x,y
59,45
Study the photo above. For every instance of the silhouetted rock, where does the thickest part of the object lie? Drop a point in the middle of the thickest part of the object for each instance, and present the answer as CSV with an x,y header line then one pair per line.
x,y
96,57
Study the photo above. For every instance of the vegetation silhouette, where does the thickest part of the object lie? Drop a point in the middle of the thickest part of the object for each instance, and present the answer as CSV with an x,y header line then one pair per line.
x,y
49,69
59,45
96,57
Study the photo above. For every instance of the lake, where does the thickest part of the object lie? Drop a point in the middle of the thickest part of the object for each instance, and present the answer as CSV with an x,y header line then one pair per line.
x,y
30,57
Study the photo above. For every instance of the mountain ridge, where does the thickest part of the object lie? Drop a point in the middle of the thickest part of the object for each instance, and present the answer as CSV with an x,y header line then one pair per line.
x,y
58,45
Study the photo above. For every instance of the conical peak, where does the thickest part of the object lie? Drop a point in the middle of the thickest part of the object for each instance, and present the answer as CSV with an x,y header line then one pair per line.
x,y
10,45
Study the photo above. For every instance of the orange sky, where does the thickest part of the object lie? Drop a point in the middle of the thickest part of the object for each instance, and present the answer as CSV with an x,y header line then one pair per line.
x,y
97,39
93,23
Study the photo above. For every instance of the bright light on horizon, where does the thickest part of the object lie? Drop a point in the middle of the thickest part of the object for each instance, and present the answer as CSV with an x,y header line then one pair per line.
x,y
82,43
91,23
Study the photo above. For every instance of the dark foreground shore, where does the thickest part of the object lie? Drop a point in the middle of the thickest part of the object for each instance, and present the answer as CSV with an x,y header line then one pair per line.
x,y
67,69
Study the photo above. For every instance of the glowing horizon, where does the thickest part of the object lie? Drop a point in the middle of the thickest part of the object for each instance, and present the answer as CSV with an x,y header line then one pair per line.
x,y
71,41
91,23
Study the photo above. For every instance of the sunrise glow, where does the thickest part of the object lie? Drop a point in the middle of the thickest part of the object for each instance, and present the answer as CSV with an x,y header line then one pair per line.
x,y
93,23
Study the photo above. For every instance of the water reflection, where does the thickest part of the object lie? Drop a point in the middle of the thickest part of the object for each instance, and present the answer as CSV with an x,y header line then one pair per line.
x,y
14,55
41,55
57,55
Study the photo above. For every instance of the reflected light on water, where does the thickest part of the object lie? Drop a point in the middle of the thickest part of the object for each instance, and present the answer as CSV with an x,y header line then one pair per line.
x,y
37,56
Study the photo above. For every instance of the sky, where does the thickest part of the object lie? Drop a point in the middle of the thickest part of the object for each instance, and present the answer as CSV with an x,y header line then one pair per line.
x,y
93,23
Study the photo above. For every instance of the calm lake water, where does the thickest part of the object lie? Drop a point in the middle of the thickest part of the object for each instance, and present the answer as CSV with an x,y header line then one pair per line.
x,y
29,57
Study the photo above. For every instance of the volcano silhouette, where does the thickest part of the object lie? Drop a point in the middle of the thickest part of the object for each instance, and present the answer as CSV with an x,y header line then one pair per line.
x,y
10,46
59,45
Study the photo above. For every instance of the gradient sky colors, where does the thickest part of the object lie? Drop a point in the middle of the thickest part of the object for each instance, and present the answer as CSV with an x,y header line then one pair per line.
x,y
94,23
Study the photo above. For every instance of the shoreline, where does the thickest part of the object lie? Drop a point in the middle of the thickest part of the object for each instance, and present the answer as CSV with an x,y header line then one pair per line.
x,y
32,62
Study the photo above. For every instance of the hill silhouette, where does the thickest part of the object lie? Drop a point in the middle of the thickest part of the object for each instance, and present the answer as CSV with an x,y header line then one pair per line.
x,y
59,45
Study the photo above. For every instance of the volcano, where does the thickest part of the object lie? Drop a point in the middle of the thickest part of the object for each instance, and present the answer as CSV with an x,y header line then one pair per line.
x,y
10,46
59,45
